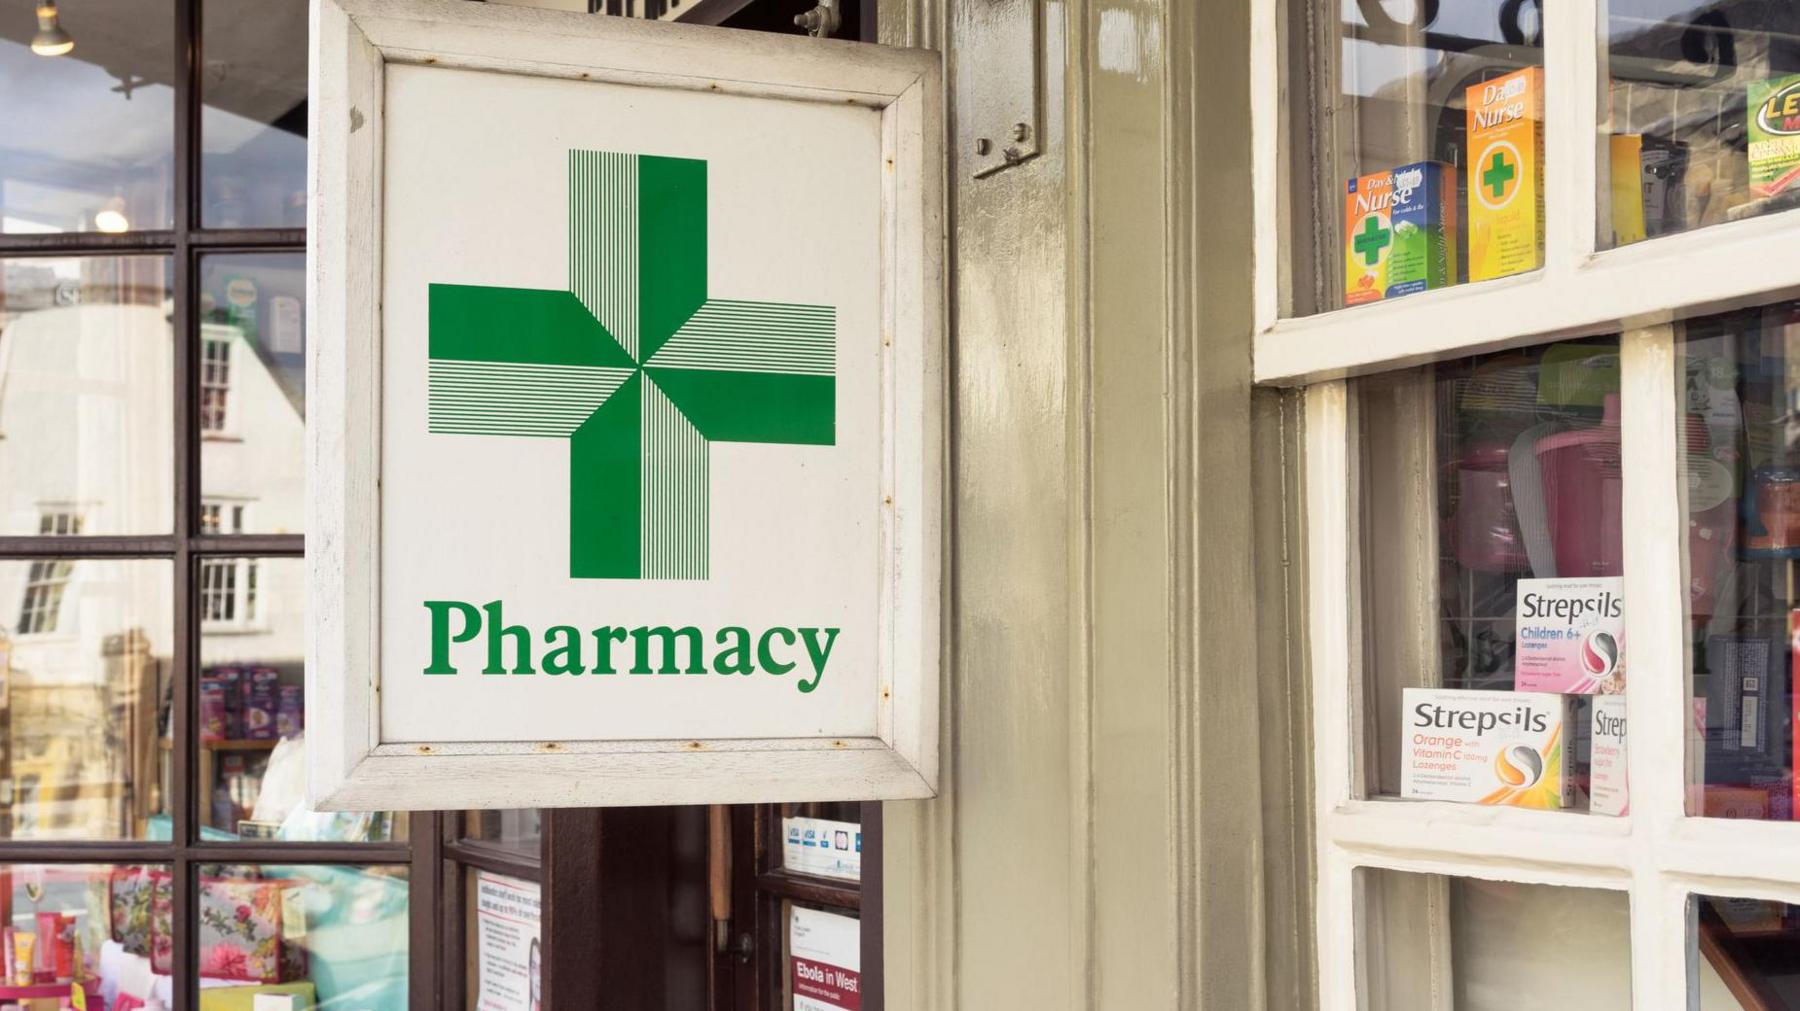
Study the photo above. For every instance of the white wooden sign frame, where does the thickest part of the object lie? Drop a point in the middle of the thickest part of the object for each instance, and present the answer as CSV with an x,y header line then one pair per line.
x,y
351,766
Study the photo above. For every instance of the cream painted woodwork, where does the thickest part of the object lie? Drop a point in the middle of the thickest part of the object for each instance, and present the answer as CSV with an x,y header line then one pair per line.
x,y
1123,818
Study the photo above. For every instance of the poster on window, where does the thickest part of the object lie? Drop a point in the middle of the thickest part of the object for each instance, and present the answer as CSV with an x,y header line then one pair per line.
x,y
825,961
506,943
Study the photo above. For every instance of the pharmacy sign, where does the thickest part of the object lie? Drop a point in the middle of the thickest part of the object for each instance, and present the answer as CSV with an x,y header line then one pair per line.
x,y
626,414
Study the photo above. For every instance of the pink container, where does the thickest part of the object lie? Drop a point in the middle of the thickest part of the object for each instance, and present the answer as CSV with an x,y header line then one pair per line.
x,y
1487,528
1582,491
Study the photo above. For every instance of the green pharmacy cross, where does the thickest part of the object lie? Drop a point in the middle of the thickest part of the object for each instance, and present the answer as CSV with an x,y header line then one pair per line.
x,y
1498,173
1371,240
635,366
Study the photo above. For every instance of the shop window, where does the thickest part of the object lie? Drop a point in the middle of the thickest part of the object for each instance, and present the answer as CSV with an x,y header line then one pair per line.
x,y
44,585
1556,499
215,383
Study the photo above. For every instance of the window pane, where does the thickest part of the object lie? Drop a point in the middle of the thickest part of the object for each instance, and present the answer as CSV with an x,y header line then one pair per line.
x,y
87,139
74,916
1417,147
1741,460
1702,118
86,395
519,830
1492,584
1747,953
252,393
84,677
1504,945
252,767
822,839
335,936
253,125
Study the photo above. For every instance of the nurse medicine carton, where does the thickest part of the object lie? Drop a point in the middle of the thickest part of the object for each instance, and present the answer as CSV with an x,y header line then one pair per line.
x,y
1506,174
1399,232
1486,747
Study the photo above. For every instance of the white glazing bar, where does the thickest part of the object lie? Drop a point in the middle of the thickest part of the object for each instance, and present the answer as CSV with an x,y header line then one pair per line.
x,y
1268,255
1570,79
1654,530
1328,537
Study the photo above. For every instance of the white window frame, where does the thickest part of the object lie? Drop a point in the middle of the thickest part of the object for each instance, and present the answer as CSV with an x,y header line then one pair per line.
x,y
247,610
1659,855
227,338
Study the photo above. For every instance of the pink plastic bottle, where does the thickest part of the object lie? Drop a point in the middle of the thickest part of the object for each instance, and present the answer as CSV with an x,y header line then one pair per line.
x,y
1582,493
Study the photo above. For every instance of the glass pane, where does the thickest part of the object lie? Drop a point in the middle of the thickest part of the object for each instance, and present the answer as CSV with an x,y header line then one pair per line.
x,y
72,924
1420,129
252,767
87,139
1504,945
1701,122
1741,461
253,124
1492,579
1747,954
334,937
84,698
822,839
823,952
520,830
252,393
86,392
504,920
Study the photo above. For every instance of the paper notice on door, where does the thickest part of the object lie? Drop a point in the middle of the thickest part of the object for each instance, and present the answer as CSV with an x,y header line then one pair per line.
x,y
507,913
825,961
829,849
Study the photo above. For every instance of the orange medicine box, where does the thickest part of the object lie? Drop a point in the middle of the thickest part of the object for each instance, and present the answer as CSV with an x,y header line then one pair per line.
x,y
1368,236
1506,174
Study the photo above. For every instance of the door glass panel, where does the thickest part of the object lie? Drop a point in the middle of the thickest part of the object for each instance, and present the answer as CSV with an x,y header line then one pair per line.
x,y
1740,377
85,649
87,138
1700,117
520,831
86,395
252,393
1493,579
251,772
77,924
1504,945
1418,140
253,123
502,936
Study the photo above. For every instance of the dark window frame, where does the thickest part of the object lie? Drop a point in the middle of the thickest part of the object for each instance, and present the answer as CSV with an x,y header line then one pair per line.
x,y
187,546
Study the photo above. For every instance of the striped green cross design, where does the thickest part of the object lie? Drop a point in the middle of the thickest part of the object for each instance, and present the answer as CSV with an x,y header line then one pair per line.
x,y
635,365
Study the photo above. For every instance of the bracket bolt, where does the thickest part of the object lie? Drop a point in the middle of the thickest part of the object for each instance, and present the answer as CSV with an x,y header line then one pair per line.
x,y
983,145
1020,131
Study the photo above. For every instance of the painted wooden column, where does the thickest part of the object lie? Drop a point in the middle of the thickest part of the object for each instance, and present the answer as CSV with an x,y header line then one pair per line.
x,y
1121,821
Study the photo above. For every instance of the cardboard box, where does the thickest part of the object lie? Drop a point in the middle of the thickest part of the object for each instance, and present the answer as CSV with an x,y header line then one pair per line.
x,y
1368,237
1424,222
1485,747
1506,174
1569,636
1608,792
1773,125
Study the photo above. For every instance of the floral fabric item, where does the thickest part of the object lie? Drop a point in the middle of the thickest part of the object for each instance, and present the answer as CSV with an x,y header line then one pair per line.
x,y
130,889
162,921
240,930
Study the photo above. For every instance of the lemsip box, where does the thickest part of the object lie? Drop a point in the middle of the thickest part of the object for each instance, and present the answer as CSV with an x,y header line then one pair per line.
x,y
1482,747
1399,232
1506,174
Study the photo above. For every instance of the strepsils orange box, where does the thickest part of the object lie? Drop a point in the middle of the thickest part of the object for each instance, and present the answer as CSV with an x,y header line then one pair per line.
x,y
1486,747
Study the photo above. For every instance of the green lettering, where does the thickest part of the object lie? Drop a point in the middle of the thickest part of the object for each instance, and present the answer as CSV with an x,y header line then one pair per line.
x,y
739,648
688,634
769,663
819,653
441,638
604,637
519,634
564,659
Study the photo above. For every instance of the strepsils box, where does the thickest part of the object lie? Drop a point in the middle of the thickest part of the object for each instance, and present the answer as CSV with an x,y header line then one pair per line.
x,y
1486,747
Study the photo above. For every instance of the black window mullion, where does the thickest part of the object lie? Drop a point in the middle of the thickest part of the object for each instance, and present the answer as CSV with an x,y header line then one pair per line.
x,y
185,807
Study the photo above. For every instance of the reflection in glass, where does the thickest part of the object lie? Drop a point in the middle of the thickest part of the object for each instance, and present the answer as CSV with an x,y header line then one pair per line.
x,y
87,138
251,774
253,123
77,922
1508,945
1746,953
519,830
252,393
1741,460
86,353
1701,122
1478,475
84,681
1422,144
